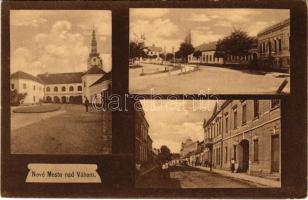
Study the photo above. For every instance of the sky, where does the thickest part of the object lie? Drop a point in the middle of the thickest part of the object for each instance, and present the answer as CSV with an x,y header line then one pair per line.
x,y
168,27
57,41
171,122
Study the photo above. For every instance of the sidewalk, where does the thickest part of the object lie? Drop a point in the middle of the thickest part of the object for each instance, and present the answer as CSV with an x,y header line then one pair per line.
x,y
245,177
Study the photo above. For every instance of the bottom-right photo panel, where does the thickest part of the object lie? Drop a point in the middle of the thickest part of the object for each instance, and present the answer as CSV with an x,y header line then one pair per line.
x,y
208,143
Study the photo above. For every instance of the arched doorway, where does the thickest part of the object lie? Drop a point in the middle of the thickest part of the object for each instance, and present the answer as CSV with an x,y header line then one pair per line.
x,y
56,99
48,99
63,99
71,99
243,155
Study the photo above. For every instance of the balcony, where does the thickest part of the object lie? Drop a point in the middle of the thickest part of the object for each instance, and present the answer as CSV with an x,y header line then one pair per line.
x,y
208,142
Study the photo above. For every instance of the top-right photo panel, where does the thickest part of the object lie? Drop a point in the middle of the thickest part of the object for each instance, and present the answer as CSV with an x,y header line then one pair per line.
x,y
209,51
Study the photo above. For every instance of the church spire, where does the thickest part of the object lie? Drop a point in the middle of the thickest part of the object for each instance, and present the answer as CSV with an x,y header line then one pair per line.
x,y
93,44
94,58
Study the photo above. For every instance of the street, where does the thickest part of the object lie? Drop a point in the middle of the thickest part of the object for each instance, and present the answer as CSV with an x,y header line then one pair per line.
x,y
189,177
218,80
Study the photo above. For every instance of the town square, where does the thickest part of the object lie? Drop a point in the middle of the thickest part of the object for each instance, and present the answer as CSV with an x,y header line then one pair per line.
x,y
60,69
184,51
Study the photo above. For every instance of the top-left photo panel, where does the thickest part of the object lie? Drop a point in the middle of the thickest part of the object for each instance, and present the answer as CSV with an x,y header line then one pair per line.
x,y
60,72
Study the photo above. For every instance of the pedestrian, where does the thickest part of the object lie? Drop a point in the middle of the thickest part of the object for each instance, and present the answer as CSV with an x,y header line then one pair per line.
x,y
163,170
86,103
232,165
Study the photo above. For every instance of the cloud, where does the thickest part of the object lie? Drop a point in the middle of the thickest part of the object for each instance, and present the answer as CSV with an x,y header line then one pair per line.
x,y
160,32
173,121
26,18
199,18
148,13
200,37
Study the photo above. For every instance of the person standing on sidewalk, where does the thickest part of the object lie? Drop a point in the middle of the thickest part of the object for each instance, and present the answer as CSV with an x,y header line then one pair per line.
x,y
232,165
86,103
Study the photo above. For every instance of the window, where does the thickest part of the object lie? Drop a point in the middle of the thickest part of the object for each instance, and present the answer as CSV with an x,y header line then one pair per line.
x,y
279,45
234,119
48,89
12,86
256,108
234,152
244,110
71,88
84,84
79,88
275,47
24,86
274,103
256,150
226,154
55,89
227,124
33,98
63,89
34,87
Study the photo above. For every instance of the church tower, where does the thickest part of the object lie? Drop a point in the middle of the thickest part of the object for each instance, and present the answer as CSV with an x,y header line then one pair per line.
x,y
94,58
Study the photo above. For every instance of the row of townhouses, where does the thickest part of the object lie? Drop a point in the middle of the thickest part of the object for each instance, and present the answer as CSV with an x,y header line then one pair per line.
x,y
65,87
273,42
143,142
247,131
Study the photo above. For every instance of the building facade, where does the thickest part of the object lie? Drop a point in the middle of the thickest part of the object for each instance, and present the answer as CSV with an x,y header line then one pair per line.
x,y
249,131
65,87
187,147
274,45
209,55
142,144
27,84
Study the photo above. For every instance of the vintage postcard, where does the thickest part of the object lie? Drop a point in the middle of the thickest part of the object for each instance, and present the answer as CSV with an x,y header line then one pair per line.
x,y
212,51
60,66
154,99
208,144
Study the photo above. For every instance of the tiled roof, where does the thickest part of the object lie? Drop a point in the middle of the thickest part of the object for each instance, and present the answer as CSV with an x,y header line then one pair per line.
x,y
61,78
24,75
95,70
283,23
105,77
211,46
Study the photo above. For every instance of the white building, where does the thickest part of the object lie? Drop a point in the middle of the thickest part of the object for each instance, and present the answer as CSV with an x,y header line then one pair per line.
x,y
207,54
65,87
31,85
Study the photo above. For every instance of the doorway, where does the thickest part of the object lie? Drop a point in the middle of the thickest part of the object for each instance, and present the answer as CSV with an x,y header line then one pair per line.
x,y
275,157
243,157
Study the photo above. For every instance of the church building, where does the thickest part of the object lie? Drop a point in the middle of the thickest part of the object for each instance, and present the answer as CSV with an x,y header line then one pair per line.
x,y
72,87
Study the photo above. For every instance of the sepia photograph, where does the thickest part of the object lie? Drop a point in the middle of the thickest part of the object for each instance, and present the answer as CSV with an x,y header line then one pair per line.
x,y
60,66
216,51
208,143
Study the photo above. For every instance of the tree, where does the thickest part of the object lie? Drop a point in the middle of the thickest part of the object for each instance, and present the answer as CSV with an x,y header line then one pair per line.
x,y
185,50
162,56
17,98
238,43
136,50
197,54
169,56
164,154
